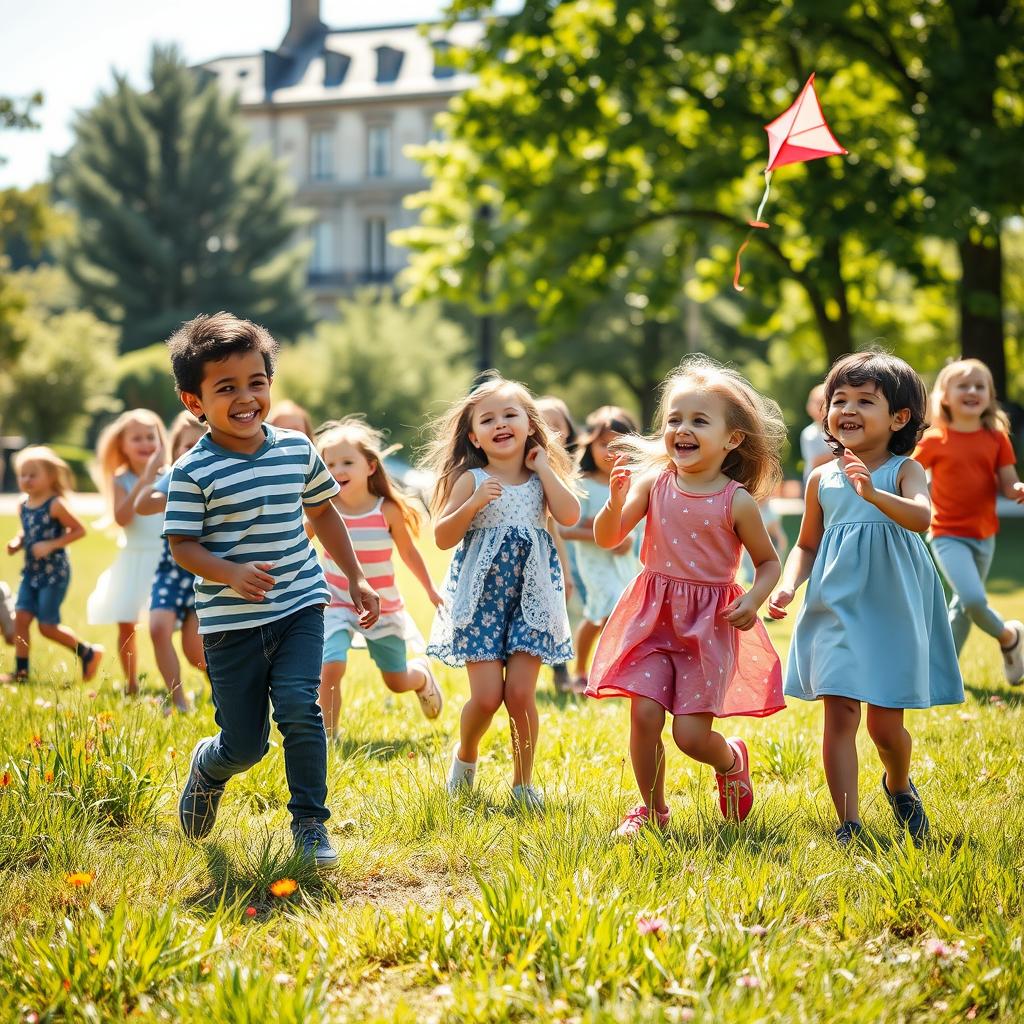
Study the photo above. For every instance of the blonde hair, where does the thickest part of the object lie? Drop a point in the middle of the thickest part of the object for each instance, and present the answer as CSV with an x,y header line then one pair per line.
x,y
289,408
756,461
61,479
184,424
110,457
369,442
993,418
450,453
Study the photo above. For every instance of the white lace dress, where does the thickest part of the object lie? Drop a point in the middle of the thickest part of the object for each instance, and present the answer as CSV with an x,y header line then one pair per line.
x,y
504,590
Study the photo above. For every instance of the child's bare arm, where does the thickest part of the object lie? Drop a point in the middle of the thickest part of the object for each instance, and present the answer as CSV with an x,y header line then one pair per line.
x,y
251,580
407,550
626,506
801,558
332,533
73,530
150,502
463,504
751,531
1009,484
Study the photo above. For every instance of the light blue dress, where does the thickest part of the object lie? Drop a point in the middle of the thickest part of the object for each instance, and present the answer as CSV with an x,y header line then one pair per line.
x,y
873,626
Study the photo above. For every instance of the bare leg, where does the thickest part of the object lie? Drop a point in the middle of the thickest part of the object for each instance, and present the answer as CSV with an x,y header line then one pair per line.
x,y
894,745
486,693
192,642
161,632
695,738
839,754
521,671
330,694
59,634
647,752
22,626
127,652
586,634
413,679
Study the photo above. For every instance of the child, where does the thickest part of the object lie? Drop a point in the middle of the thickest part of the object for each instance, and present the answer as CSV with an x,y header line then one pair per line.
x,y
685,638
124,470
499,473
172,599
234,519
562,429
605,574
873,626
813,449
377,518
289,415
969,456
48,526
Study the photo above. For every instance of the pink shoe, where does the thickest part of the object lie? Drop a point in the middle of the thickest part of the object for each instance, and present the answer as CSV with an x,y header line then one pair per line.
x,y
735,790
635,820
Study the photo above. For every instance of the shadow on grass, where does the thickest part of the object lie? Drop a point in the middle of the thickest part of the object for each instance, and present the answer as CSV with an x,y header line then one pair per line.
x,y
984,694
350,747
558,698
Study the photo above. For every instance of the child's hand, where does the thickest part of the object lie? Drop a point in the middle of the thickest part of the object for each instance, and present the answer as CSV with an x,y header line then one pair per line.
x,y
366,600
252,580
858,474
42,548
742,613
1018,493
618,482
156,460
537,459
778,603
14,545
624,548
435,598
490,490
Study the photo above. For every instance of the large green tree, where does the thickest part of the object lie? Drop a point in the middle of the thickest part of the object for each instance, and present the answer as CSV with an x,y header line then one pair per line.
x,y
177,214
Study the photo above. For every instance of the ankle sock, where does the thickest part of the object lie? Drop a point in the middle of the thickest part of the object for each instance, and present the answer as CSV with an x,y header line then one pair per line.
x,y
84,652
21,666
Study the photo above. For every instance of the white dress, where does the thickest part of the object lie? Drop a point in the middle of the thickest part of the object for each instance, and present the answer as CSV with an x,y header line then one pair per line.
x,y
122,592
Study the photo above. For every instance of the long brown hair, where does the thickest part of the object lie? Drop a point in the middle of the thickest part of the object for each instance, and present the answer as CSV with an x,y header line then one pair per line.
x,y
993,418
756,461
450,453
369,442
61,479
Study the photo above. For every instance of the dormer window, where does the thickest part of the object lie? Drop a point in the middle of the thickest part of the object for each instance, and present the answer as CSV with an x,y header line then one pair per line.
x,y
389,63
443,68
335,67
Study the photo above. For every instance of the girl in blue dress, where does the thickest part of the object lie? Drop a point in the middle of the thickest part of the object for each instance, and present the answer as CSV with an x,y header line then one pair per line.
x,y
873,627
499,474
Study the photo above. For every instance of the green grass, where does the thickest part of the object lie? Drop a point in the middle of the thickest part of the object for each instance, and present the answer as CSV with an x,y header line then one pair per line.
x,y
473,913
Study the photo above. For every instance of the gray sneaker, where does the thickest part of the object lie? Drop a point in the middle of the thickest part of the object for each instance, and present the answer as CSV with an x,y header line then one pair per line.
x,y
199,800
312,840
526,797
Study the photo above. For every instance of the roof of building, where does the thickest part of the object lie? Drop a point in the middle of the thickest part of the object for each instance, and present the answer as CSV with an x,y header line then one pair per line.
x,y
350,65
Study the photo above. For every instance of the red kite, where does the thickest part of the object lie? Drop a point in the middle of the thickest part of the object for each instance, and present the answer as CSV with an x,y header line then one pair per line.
x,y
799,134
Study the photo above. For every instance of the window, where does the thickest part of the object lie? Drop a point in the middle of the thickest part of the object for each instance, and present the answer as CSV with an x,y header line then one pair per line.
x,y
389,63
376,249
321,154
322,260
379,150
443,67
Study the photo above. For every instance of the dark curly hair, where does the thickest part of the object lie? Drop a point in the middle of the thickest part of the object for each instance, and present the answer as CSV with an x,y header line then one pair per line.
x,y
895,379
209,339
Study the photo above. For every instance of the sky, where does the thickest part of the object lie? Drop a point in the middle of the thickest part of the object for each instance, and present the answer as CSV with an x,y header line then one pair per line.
x,y
67,49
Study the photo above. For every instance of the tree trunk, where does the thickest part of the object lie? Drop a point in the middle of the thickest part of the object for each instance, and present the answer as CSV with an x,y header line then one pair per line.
x,y
981,305
650,372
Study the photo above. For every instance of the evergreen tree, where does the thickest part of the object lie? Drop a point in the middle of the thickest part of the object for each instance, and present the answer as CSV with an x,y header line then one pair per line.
x,y
178,216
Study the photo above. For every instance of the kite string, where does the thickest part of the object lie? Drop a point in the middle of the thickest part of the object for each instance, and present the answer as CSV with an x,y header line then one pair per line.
x,y
754,224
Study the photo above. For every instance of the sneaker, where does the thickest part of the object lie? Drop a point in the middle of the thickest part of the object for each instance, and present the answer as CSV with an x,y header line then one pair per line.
x,y
92,664
461,774
909,812
199,800
429,695
6,613
1013,656
848,833
528,798
735,790
312,840
635,820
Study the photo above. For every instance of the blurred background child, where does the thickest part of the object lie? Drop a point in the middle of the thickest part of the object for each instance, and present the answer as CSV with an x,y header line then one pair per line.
x,y
289,415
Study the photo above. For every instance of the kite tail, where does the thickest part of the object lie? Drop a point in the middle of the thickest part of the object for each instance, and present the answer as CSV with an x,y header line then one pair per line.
x,y
754,224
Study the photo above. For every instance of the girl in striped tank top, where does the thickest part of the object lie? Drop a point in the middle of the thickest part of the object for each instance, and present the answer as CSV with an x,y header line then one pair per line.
x,y
378,519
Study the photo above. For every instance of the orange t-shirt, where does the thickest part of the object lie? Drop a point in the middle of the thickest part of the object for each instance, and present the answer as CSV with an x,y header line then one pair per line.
x,y
964,485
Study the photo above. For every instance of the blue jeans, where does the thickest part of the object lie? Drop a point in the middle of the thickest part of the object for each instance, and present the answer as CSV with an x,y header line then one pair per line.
x,y
250,669
965,562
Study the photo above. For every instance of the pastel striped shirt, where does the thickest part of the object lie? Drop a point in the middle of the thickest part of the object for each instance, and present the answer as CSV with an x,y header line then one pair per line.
x,y
248,508
373,545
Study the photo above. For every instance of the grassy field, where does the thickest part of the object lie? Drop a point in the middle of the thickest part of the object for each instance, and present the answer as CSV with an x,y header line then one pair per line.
x,y
473,913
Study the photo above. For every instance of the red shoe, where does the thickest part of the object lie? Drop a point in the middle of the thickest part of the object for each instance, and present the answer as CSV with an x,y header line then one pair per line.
x,y
635,820
735,790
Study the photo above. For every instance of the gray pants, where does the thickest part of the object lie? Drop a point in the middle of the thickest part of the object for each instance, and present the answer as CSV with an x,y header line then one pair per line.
x,y
965,562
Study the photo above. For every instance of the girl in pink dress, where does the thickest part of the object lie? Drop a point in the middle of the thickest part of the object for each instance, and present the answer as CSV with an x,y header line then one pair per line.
x,y
685,638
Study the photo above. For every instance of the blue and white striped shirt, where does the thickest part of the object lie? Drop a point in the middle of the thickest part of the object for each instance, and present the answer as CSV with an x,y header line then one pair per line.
x,y
248,508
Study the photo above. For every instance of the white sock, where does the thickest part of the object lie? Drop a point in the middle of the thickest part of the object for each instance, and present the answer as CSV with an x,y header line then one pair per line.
x,y
461,774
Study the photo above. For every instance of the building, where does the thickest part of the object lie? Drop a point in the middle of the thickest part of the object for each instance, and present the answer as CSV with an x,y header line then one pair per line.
x,y
340,108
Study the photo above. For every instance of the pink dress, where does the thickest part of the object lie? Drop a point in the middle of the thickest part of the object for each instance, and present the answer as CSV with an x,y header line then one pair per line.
x,y
666,638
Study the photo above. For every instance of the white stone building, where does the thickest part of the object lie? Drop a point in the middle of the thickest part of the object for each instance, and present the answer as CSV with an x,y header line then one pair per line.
x,y
340,108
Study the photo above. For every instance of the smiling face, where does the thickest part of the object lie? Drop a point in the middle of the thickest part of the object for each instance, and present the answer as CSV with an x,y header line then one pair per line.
x,y
235,399
968,395
138,442
351,468
500,426
860,419
697,434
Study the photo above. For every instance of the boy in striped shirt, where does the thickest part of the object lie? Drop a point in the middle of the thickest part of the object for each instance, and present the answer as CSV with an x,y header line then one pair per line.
x,y
234,518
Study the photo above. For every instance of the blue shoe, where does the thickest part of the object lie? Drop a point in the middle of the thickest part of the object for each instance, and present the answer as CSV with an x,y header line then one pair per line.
x,y
199,800
312,840
849,833
909,812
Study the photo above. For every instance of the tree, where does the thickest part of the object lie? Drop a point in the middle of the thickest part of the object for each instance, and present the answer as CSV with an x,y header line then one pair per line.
x,y
177,215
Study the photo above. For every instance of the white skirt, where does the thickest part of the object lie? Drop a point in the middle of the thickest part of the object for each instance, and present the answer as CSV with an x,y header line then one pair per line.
x,y
122,592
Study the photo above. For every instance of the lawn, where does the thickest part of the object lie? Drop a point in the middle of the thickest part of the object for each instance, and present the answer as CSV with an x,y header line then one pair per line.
x,y
473,913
